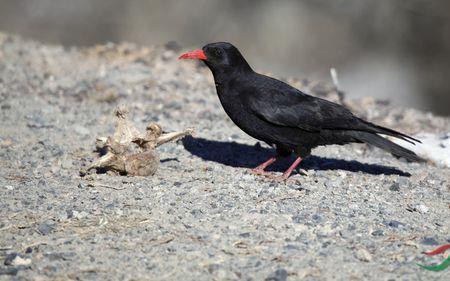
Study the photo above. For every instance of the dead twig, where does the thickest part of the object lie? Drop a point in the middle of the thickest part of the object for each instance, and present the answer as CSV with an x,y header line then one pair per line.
x,y
107,186
340,93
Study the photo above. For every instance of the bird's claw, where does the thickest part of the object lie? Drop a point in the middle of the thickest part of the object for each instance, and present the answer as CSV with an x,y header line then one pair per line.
x,y
270,175
257,171
279,179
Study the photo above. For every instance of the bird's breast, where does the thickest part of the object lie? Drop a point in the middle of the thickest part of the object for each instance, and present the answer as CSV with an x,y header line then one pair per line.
x,y
234,107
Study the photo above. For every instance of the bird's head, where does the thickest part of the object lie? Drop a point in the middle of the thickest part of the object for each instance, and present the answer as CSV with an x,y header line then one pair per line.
x,y
221,57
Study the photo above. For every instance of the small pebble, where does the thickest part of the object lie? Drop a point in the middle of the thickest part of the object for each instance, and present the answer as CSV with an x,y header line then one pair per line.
x,y
395,224
12,271
395,187
213,267
422,209
429,241
15,259
363,255
81,130
76,214
9,258
378,233
279,275
46,228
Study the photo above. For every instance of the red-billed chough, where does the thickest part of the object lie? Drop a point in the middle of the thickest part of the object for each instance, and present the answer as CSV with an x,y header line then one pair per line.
x,y
283,116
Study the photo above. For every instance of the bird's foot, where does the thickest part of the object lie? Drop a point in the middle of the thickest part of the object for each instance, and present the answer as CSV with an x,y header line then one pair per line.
x,y
272,176
257,171
303,172
285,176
279,179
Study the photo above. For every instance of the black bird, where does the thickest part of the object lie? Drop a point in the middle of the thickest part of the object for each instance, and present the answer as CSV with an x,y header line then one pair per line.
x,y
283,116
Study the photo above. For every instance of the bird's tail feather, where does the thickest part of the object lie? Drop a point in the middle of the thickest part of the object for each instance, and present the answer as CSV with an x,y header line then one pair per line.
x,y
386,131
387,145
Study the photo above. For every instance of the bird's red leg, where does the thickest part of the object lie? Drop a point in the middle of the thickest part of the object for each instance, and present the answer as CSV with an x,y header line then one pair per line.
x,y
288,172
260,169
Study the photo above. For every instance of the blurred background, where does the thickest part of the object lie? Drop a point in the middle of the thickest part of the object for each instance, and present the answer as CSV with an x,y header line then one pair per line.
x,y
390,49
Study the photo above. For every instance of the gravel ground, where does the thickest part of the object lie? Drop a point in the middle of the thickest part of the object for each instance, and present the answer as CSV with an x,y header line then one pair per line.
x,y
358,213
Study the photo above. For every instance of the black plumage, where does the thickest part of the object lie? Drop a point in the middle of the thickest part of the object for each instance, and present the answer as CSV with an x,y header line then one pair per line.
x,y
283,116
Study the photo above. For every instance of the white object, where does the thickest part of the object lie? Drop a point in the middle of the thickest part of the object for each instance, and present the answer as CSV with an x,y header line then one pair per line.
x,y
434,147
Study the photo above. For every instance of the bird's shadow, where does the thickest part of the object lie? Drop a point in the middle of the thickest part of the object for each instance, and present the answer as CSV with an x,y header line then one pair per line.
x,y
247,156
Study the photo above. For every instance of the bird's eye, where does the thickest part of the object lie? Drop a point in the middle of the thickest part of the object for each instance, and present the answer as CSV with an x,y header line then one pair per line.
x,y
218,52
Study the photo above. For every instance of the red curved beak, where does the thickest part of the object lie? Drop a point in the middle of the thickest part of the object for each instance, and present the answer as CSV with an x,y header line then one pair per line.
x,y
196,54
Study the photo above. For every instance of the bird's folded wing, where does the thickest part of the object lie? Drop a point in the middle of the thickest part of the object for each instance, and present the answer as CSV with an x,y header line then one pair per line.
x,y
299,110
